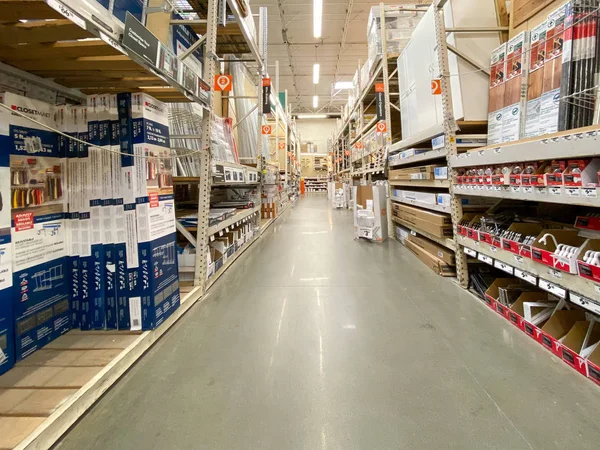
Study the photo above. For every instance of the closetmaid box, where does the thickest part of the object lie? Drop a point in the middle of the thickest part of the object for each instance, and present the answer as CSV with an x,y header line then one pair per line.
x,y
37,203
7,340
371,198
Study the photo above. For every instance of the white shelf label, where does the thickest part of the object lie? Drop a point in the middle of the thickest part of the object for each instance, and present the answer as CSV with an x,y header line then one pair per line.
x,y
113,43
542,191
226,229
527,190
212,238
414,233
526,276
552,288
573,192
486,259
66,12
221,233
504,267
497,150
555,274
489,187
481,187
555,191
470,252
589,192
498,188
476,243
587,303
515,189
493,249
597,288
519,259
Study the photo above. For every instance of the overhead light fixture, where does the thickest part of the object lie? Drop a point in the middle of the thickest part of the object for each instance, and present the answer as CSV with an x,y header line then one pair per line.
x,y
317,17
343,85
311,116
316,68
315,101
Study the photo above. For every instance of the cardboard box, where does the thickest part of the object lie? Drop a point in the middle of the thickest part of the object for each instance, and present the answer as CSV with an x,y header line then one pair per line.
x,y
433,248
593,366
441,231
535,82
492,293
557,327
516,313
572,344
587,270
425,215
371,198
544,252
515,96
526,229
40,288
497,94
431,261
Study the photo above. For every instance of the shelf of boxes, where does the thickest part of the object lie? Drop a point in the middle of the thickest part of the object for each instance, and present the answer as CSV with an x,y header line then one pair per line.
x,y
444,241
431,207
444,184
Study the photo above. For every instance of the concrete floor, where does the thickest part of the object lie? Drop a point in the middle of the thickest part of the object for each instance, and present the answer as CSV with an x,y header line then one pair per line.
x,y
315,341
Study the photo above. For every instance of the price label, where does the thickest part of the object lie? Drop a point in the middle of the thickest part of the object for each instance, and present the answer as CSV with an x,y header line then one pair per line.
x,y
470,252
552,288
515,189
414,233
226,229
555,191
597,288
587,303
573,192
504,267
527,190
555,274
486,259
525,276
589,192
497,150
221,233
476,243
542,191
481,187
489,187
212,238
112,42
481,152
66,12
493,249
519,259
498,188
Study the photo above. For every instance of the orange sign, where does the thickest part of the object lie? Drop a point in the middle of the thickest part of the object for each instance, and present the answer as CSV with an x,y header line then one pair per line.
x,y
223,83
282,146
436,87
381,127
358,145
379,87
266,129
347,153
266,82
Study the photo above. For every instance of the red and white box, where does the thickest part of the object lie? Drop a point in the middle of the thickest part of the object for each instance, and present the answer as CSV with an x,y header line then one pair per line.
x,y
525,229
557,327
554,177
581,172
544,248
586,269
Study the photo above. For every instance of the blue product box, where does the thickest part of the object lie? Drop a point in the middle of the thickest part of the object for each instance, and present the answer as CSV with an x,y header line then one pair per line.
x,y
122,7
40,290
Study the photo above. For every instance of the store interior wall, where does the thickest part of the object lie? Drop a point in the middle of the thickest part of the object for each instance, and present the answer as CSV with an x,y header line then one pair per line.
x,y
317,131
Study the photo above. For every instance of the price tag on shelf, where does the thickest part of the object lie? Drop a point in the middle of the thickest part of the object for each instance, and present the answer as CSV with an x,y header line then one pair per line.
x,y
597,288
114,44
504,267
519,259
221,233
555,191
498,188
515,189
497,150
414,233
589,192
526,276
493,249
590,305
481,152
476,243
470,252
226,229
481,187
573,192
66,12
555,274
552,288
489,187
212,238
527,190
486,259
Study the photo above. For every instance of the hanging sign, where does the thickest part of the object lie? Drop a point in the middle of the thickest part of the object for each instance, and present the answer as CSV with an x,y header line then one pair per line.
x,y
140,40
436,87
266,86
380,100
346,152
358,145
266,129
290,154
223,83
381,127
282,146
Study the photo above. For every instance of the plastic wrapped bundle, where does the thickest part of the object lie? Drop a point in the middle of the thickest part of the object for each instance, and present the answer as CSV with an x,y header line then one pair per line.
x,y
186,119
247,131
222,144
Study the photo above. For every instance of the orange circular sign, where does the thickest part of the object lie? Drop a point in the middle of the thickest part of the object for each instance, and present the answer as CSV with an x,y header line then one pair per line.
x,y
381,127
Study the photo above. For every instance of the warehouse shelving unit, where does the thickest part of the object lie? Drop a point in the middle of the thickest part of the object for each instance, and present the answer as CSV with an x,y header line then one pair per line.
x,y
67,50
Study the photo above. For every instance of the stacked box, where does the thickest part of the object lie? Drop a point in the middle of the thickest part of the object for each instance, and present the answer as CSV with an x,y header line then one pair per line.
x,y
40,292
515,96
122,7
497,91
153,278
7,341
535,82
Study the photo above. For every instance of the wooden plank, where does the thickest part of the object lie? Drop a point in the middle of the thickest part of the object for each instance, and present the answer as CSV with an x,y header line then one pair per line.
x,y
32,402
14,429
81,342
120,62
96,74
525,9
71,358
23,377
62,50
124,83
42,31
15,10
231,29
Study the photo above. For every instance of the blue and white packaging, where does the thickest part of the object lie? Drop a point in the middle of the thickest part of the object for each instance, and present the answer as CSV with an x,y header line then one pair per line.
x,y
7,340
183,38
156,294
122,7
39,239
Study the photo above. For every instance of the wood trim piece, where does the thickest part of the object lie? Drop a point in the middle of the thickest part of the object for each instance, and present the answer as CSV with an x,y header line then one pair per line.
x,y
523,10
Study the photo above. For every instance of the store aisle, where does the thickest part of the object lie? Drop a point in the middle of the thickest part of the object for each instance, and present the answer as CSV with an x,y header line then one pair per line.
x,y
315,341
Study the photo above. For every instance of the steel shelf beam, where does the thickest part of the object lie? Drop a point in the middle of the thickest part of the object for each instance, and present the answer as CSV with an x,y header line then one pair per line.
x,y
438,208
431,154
563,195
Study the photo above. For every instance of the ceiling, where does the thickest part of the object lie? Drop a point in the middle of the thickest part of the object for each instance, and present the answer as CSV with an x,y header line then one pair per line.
x,y
342,46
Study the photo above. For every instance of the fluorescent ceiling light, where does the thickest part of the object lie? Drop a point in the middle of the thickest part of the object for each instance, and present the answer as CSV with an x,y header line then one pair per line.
x,y
316,68
315,101
317,17
311,116
343,85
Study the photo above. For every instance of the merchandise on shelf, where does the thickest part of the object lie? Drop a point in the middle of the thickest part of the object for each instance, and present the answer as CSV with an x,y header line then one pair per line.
x,y
222,143
436,257
515,99
535,83
7,340
437,224
497,95
370,212
40,287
